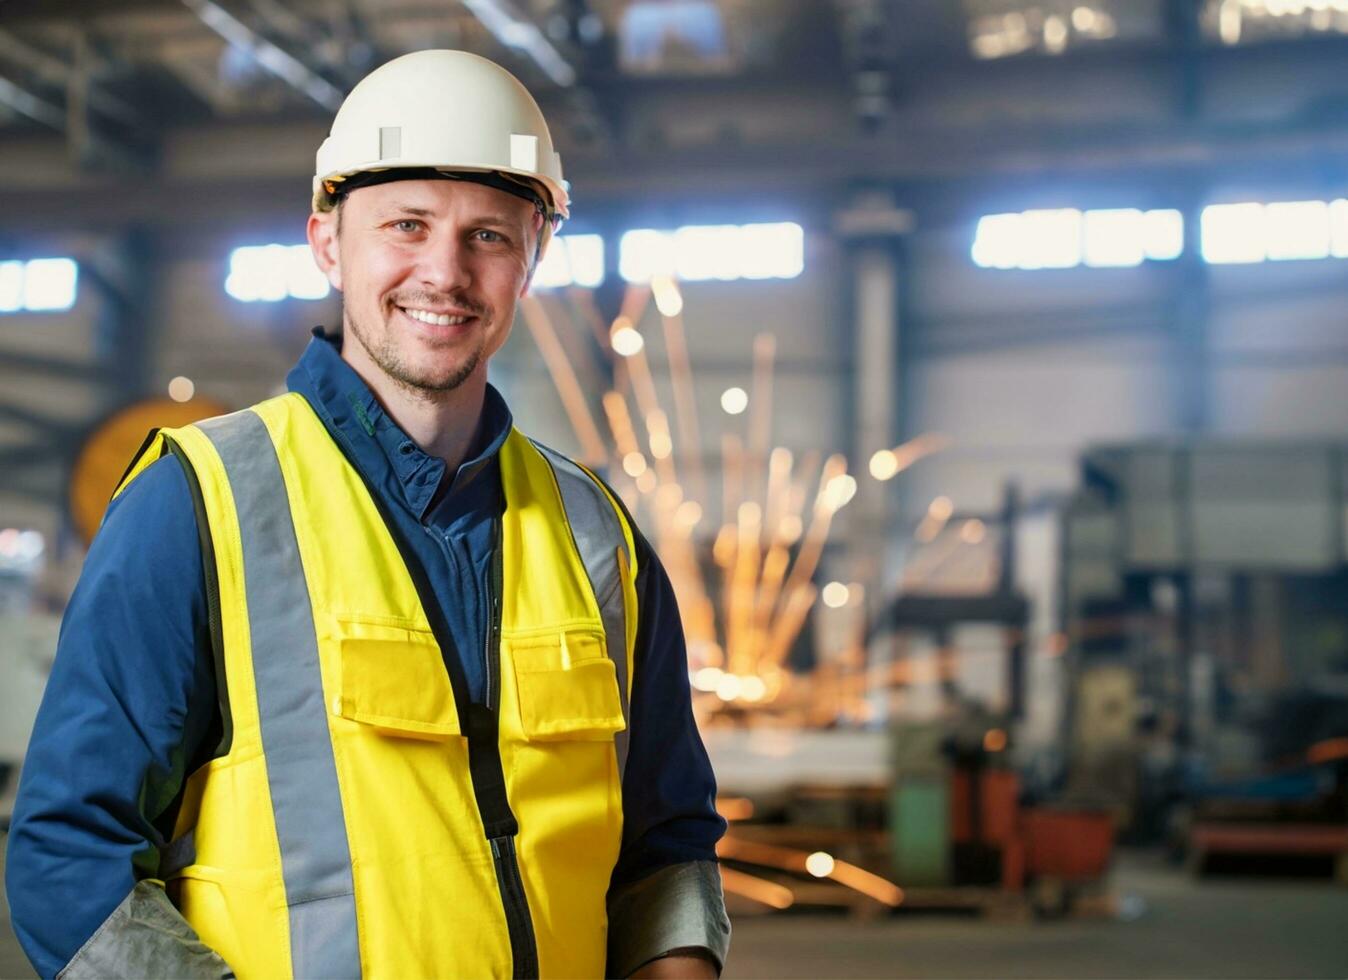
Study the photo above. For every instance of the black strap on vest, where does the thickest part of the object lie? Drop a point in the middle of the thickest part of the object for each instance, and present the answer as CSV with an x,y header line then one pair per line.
x,y
215,620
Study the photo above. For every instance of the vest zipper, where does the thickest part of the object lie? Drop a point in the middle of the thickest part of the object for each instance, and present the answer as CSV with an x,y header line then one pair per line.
x,y
491,658
514,901
495,586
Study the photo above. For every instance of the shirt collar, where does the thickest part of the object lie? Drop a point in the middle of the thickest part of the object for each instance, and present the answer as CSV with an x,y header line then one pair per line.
x,y
382,451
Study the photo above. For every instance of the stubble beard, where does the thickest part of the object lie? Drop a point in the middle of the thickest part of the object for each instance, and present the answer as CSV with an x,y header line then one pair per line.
x,y
390,361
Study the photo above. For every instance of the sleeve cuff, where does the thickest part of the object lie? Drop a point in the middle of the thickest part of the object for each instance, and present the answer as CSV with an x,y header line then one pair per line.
x,y
146,937
679,907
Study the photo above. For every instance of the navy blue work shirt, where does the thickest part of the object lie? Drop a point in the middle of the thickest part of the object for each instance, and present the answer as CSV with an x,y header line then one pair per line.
x,y
131,706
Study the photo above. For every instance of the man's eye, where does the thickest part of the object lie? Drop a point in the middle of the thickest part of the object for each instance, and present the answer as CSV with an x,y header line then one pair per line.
x,y
407,225
493,237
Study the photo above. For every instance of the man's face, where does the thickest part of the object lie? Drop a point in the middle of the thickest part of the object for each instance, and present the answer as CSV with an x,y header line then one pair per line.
x,y
429,271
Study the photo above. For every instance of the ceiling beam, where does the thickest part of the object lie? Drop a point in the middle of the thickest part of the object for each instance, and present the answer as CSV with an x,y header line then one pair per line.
x,y
55,72
936,168
270,56
34,107
516,31
102,132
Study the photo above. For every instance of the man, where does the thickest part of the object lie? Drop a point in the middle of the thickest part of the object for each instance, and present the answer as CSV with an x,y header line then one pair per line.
x,y
360,680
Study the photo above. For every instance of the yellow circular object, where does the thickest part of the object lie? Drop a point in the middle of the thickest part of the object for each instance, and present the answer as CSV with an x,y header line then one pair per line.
x,y
108,451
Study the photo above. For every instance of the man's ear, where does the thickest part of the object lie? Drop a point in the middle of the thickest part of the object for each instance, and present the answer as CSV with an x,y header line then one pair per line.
x,y
542,239
540,246
322,232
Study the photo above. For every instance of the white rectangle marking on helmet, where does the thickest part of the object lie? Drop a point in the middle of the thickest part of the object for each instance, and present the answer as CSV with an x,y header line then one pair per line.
x,y
390,142
523,152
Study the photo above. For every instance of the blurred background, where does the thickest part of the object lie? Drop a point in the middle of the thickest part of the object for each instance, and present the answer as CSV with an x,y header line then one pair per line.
x,y
979,370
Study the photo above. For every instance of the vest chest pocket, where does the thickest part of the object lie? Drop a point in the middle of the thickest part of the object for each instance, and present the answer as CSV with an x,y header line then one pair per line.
x,y
567,687
393,679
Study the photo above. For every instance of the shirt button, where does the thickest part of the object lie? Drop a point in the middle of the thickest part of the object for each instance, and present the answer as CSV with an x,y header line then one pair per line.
x,y
406,448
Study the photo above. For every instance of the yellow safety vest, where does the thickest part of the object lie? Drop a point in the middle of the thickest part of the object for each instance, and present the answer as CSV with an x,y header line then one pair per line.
x,y
367,819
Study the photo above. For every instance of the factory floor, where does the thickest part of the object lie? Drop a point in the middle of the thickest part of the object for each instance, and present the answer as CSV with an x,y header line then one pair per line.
x,y
1219,927
1177,926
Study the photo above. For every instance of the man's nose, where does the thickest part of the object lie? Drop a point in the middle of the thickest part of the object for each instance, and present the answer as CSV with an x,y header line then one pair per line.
x,y
444,266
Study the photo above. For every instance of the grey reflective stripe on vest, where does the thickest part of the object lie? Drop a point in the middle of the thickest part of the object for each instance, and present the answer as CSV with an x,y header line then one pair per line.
x,y
292,711
598,535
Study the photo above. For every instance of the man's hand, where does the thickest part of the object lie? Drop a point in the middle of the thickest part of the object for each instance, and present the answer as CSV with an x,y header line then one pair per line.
x,y
678,966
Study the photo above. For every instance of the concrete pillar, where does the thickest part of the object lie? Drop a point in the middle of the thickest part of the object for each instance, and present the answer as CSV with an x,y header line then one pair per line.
x,y
873,228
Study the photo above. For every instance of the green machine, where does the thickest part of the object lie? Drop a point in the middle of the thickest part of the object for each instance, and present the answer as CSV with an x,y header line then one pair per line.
x,y
919,804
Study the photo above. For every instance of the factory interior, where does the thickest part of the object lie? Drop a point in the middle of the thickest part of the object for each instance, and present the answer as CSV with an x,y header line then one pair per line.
x,y
977,369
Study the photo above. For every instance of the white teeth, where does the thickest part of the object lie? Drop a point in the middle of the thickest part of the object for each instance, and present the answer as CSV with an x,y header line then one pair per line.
x,y
435,319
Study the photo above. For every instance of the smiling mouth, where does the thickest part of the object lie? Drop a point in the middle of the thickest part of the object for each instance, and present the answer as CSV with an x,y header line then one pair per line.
x,y
436,319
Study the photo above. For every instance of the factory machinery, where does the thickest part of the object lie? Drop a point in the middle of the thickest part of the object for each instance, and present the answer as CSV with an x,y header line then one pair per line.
x,y
1205,610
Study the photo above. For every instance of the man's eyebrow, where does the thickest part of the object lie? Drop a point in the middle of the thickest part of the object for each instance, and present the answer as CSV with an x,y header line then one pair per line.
x,y
497,221
393,209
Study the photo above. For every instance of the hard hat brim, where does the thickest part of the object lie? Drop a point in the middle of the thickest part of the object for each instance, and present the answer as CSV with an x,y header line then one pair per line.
x,y
526,188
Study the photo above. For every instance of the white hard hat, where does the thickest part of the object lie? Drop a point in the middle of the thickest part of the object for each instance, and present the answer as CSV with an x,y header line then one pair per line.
x,y
447,111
